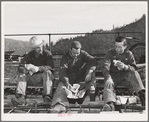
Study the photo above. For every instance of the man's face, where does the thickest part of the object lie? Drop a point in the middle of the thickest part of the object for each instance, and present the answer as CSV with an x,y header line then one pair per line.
x,y
120,48
38,50
75,52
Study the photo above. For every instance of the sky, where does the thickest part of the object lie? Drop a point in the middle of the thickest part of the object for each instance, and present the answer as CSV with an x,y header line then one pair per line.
x,y
67,17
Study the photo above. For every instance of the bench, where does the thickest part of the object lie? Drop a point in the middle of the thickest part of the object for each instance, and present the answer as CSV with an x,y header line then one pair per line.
x,y
98,73
35,92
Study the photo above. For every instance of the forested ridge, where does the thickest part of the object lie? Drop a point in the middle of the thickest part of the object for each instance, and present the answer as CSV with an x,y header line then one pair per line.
x,y
91,42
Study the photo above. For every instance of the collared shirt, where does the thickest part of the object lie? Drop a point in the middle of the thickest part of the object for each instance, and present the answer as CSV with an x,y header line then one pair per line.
x,y
43,60
126,57
37,55
70,66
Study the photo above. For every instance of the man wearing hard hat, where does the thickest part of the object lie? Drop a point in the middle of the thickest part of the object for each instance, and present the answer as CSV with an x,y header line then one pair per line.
x,y
35,68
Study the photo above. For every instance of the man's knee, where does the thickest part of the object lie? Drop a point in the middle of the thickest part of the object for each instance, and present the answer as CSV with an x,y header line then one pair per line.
x,y
132,73
22,78
109,84
49,74
93,76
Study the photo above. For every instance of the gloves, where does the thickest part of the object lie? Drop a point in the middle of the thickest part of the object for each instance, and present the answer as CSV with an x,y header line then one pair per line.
x,y
120,65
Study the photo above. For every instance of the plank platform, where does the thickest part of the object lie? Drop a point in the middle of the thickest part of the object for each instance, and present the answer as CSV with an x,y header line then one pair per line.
x,y
87,106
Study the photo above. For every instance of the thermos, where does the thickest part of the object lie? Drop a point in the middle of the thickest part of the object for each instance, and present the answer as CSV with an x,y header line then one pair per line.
x,y
92,93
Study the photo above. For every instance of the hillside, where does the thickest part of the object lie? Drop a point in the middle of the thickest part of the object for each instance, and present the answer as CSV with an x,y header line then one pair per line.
x,y
139,25
20,47
93,43
100,43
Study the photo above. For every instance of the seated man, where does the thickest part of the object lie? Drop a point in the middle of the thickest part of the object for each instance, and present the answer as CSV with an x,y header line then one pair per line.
x,y
35,68
119,63
76,67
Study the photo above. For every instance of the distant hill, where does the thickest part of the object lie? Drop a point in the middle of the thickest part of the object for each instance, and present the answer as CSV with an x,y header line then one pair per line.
x,y
100,43
139,25
92,43
20,47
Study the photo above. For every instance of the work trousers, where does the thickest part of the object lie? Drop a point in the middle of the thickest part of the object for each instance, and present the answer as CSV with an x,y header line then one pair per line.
x,y
60,95
40,78
117,78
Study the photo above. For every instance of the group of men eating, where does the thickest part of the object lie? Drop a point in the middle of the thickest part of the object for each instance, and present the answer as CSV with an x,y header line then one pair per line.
x,y
76,74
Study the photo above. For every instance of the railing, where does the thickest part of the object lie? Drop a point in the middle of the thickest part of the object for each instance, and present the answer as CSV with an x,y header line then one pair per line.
x,y
50,34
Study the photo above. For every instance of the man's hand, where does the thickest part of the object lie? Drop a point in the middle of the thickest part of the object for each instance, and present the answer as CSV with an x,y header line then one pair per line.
x,y
74,88
69,86
72,91
36,68
81,93
29,66
121,65
32,68
109,83
89,76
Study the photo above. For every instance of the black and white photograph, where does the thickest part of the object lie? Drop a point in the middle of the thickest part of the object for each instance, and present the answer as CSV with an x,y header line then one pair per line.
x,y
74,61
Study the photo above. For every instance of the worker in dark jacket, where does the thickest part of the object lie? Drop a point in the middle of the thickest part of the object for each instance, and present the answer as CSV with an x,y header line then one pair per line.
x,y
76,67
119,64
35,68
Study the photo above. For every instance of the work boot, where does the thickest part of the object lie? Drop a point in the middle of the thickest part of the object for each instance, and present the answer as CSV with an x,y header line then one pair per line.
x,y
18,100
118,106
141,95
47,99
58,108
109,107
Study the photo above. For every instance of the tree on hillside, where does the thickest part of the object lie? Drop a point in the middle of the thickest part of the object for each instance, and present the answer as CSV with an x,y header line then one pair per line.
x,y
92,42
100,43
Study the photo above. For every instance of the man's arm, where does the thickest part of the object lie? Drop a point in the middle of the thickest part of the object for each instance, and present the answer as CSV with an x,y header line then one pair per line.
x,y
130,66
63,74
21,67
49,63
91,66
106,65
91,62
131,63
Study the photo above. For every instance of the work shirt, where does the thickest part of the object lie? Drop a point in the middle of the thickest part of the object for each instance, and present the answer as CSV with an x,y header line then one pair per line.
x,y
126,57
43,60
71,67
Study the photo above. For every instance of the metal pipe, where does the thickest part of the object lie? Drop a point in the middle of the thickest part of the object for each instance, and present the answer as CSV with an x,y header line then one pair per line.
x,y
29,110
11,110
50,42
69,33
